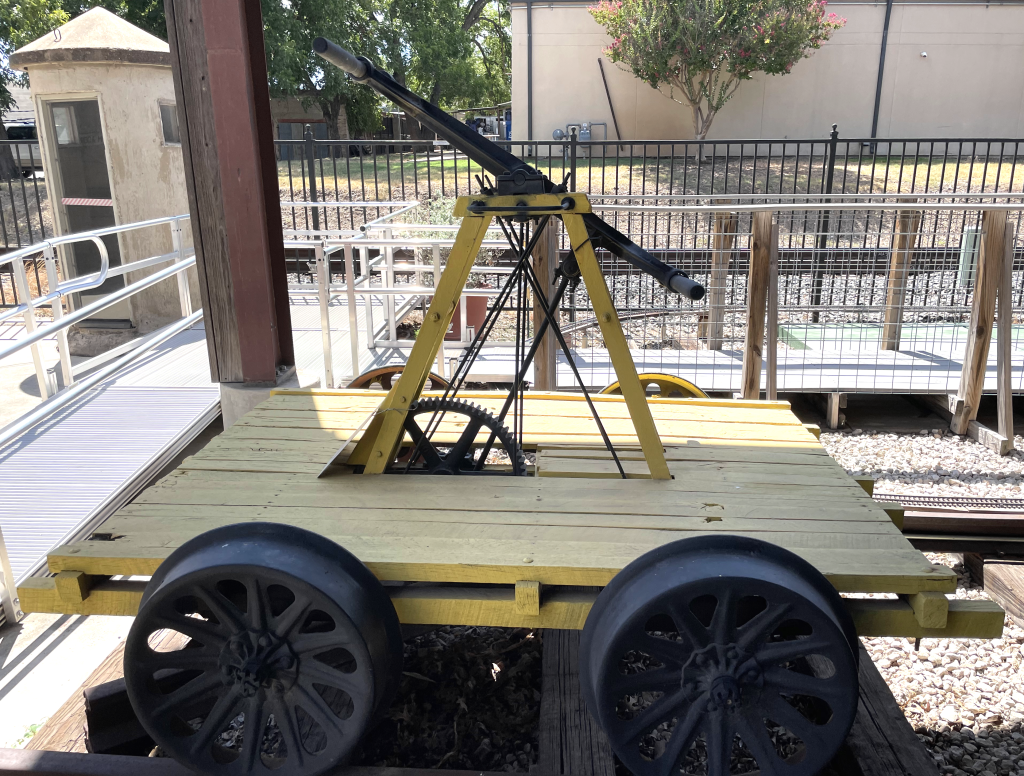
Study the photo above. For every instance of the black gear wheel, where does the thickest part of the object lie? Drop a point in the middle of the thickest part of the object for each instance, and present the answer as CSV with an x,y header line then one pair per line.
x,y
458,458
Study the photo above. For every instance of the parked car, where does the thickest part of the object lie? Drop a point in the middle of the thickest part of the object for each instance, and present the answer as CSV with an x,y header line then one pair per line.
x,y
26,147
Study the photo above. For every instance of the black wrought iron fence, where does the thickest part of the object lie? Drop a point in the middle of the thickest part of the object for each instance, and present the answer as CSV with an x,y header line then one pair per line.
x,y
25,216
381,170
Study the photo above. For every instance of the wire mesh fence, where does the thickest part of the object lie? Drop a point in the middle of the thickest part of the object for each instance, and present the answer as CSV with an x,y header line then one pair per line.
x,y
873,296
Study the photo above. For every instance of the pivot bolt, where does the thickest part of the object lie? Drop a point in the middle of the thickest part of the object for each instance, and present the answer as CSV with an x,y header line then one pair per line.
x,y
732,654
701,660
752,675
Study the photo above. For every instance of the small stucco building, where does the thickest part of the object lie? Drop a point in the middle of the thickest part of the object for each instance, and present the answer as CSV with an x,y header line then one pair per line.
x,y
107,121
952,69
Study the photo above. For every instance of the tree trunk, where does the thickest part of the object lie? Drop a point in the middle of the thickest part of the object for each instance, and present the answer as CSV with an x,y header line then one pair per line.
x,y
435,93
8,167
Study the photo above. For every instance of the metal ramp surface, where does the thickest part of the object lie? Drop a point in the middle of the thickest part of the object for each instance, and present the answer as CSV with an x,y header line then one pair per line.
x,y
63,477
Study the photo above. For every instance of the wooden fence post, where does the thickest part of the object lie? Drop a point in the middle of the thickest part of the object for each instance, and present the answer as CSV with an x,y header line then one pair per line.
x,y
757,298
908,223
545,259
1004,342
979,336
771,358
723,238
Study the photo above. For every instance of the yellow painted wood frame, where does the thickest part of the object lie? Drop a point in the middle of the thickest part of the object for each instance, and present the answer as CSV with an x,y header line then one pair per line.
x,y
380,443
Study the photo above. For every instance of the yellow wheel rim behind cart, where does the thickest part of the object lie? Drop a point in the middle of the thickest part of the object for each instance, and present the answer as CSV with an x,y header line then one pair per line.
x,y
671,386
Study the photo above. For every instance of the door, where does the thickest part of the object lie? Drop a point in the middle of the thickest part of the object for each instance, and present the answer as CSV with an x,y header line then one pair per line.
x,y
83,187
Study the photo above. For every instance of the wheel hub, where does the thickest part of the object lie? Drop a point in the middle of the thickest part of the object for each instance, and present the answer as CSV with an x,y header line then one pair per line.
x,y
721,675
256,659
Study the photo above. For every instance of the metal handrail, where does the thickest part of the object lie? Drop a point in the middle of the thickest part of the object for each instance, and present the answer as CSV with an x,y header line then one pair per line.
x,y
182,257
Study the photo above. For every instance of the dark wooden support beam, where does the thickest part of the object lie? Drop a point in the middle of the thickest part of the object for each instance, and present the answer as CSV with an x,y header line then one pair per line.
x,y
220,79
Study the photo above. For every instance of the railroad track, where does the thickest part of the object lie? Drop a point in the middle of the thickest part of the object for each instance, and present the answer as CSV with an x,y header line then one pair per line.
x,y
912,501
992,527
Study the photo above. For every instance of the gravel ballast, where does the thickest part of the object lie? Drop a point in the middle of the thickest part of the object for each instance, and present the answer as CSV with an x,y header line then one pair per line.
x,y
964,697
929,463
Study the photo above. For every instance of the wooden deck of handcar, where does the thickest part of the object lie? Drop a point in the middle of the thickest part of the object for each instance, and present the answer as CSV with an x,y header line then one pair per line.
x,y
529,551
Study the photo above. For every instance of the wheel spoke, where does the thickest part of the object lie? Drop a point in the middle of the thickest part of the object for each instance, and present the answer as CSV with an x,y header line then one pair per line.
x,y
784,714
202,631
292,616
683,734
723,621
284,716
258,605
777,652
421,443
223,610
760,745
719,739
317,708
256,715
762,626
315,671
671,653
223,711
663,679
197,688
648,719
689,626
307,643
464,443
792,683
181,659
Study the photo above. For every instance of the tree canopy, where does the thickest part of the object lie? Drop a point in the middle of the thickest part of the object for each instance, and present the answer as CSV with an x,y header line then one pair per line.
x,y
701,50
458,53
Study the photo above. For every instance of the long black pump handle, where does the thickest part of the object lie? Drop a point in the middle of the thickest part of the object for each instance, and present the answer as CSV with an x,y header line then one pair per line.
x,y
497,161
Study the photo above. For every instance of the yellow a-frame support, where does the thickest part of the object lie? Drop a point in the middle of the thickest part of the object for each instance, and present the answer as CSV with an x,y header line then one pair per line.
x,y
380,442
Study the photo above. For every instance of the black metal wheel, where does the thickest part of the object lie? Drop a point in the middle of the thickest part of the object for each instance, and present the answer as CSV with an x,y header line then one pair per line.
x,y
287,649
721,654
462,457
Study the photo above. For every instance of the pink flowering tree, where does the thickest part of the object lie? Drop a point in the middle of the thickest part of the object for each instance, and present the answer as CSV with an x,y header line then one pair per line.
x,y
699,51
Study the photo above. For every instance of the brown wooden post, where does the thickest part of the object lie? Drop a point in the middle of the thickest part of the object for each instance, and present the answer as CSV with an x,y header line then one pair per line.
x,y
908,223
545,259
220,80
772,356
757,299
990,269
723,238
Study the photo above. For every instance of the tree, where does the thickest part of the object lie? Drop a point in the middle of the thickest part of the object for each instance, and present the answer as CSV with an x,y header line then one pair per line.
x,y
294,70
701,50
21,22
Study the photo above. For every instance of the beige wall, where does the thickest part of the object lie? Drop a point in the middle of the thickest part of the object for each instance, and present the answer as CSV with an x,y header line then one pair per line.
x,y
147,176
970,85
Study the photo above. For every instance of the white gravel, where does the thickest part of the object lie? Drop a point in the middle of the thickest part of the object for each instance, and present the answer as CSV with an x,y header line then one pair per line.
x,y
964,697
935,463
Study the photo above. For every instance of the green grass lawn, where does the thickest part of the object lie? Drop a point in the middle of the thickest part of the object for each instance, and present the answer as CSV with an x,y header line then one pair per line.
x,y
419,175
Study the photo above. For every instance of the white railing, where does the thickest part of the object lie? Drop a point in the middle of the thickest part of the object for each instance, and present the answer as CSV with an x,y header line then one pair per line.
x,y
94,370
181,257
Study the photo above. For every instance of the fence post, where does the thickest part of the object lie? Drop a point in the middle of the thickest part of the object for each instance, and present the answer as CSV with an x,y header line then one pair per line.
x,y
8,592
771,367
823,222
723,238
311,166
57,306
184,297
757,297
545,257
908,222
21,286
323,292
979,336
572,159
353,313
1004,342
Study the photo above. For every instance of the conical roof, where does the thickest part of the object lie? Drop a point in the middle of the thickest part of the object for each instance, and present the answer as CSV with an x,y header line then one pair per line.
x,y
95,36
